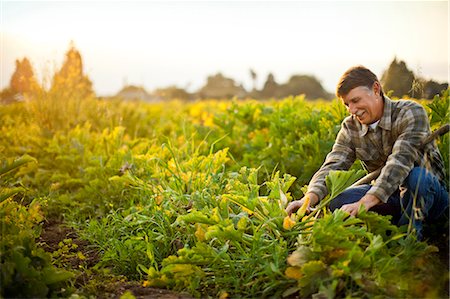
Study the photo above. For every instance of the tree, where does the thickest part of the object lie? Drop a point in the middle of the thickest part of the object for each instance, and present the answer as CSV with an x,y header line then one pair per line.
x,y
23,79
270,87
432,88
254,77
70,80
218,86
23,83
297,84
304,84
398,78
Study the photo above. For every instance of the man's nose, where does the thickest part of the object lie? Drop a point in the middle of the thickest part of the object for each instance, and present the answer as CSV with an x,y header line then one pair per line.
x,y
351,108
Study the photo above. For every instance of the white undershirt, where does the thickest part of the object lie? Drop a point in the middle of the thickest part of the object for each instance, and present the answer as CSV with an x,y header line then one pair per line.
x,y
374,125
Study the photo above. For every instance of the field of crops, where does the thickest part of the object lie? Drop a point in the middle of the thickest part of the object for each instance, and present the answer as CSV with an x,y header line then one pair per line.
x,y
191,197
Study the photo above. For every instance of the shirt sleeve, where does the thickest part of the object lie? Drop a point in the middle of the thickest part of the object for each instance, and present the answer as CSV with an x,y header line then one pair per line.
x,y
341,157
412,128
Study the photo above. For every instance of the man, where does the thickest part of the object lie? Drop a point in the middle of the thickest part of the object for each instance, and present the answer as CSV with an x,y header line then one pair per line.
x,y
383,134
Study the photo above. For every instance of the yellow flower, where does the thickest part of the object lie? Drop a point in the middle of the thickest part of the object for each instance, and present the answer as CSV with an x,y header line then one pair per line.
x,y
293,272
207,119
309,222
159,198
171,165
186,177
288,223
301,212
223,295
223,106
195,111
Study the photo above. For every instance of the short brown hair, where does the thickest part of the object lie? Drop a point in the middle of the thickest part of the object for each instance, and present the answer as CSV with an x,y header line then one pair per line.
x,y
354,77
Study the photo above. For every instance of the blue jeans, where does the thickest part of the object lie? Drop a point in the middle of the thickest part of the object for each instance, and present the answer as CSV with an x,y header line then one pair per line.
x,y
425,198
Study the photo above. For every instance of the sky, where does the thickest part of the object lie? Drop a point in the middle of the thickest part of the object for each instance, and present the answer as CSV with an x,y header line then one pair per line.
x,y
164,43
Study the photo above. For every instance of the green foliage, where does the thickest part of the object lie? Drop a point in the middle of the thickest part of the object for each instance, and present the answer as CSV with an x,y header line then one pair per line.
x,y
337,181
291,136
7,167
10,186
363,257
439,116
191,196
367,256
239,236
440,110
26,270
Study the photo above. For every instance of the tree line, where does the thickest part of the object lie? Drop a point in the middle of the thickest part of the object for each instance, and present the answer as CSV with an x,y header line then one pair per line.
x,y
71,81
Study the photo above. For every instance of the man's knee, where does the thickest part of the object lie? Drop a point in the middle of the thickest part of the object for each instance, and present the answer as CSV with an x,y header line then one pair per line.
x,y
337,202
420,181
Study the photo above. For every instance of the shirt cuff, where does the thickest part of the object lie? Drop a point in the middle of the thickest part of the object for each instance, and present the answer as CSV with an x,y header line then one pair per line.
x,y
379,192
319,191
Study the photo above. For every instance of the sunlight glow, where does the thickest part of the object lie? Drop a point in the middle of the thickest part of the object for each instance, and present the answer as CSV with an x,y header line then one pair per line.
x,y
157,44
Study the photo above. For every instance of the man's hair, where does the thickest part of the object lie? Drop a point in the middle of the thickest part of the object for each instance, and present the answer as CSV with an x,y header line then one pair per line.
x,y
354,77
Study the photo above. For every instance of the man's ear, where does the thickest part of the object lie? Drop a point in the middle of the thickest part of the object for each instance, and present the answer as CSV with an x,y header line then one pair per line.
x,y
376,88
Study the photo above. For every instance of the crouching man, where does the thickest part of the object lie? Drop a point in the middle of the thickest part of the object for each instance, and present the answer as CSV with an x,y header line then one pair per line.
x,y
383,134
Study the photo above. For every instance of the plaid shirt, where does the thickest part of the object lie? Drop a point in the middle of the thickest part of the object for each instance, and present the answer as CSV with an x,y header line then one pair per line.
x,y
393,145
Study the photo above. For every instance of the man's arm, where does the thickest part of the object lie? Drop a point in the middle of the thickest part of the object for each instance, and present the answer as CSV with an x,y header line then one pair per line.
x,y
341,157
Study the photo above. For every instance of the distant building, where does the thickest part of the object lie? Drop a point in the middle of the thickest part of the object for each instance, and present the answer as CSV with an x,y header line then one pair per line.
x,y
136,93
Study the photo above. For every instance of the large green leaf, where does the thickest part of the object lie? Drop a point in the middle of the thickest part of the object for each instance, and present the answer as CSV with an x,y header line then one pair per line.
x,y
339,180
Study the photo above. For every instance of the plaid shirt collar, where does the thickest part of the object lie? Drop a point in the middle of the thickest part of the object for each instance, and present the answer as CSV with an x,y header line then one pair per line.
x,y
385,120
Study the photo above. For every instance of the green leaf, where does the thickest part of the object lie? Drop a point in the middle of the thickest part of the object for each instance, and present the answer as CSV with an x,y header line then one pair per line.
x,y
195,217
51,275
290,291
440,109
339,180
313,268
8,192
375,244
7,167
127,295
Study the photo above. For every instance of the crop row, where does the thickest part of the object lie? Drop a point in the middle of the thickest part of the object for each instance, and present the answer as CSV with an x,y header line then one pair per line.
x,y
191,196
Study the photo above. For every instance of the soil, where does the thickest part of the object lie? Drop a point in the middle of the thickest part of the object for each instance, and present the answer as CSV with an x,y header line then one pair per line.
x,y
55,232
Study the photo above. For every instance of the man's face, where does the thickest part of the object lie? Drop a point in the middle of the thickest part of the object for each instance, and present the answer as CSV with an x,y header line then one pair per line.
x,y
365,103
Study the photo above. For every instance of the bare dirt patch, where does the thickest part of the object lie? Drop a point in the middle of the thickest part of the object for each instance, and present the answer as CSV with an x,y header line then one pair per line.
x,y
55,235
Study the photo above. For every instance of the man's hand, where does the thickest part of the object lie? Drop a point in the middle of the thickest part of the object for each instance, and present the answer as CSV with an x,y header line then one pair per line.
x,y
367,201
293,206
